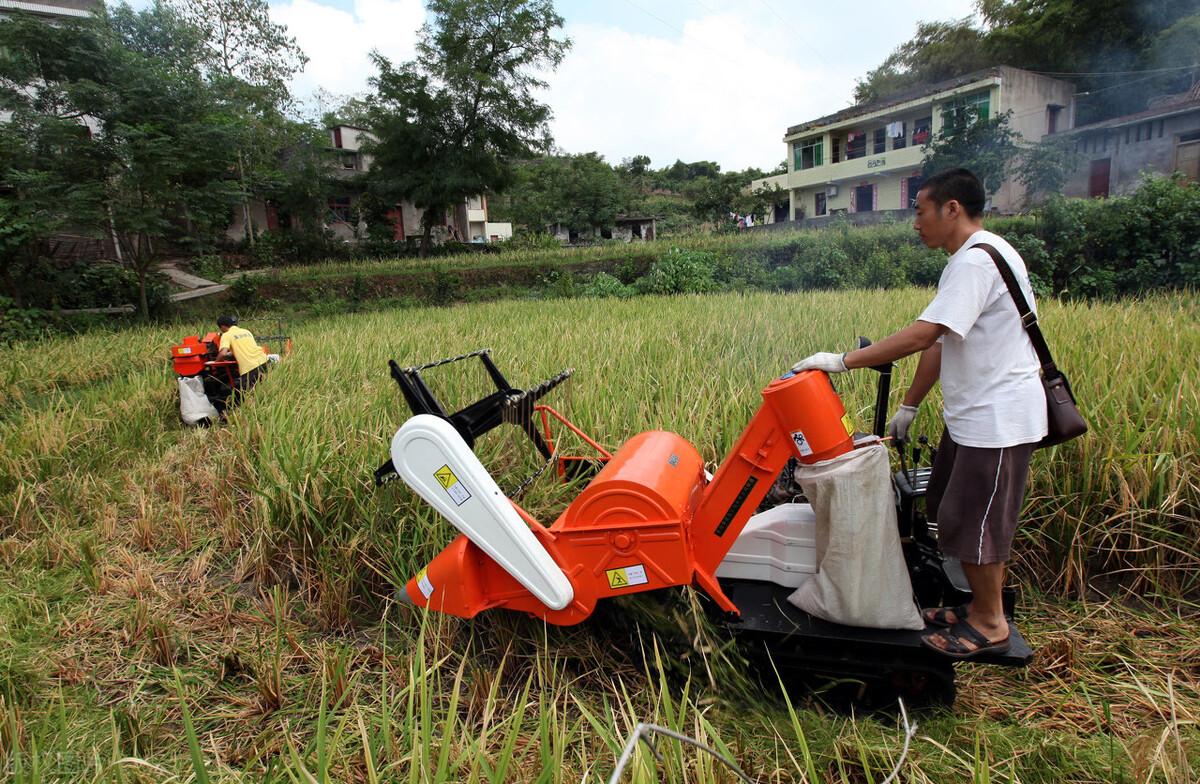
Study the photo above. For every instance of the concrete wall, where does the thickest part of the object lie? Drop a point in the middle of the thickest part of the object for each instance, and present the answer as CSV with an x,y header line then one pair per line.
x,y
1130,157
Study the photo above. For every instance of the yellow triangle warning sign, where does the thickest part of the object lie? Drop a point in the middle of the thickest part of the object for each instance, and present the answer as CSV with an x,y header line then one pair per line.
x,y
617,578
445,477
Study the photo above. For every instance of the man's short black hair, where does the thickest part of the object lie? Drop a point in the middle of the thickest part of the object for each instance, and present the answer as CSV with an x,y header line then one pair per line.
x,y
960,185
226,321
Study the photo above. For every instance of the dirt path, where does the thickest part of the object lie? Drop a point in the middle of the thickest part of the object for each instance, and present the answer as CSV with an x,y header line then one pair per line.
x,y
192,286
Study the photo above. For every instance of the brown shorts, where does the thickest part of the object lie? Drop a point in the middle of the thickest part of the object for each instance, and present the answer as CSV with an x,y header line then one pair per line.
x,y
975,496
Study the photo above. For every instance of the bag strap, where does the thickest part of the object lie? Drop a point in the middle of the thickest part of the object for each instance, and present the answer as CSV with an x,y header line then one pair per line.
x,y
1029,319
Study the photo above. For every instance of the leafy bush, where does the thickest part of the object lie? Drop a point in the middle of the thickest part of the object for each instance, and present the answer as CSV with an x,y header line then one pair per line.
x,y
825,265
605,285
681,271
19,324
243,292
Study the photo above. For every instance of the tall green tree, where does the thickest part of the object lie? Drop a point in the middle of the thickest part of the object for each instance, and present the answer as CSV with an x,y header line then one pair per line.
x,y
168,140
51,79
985,146
250,59
452,122
580,191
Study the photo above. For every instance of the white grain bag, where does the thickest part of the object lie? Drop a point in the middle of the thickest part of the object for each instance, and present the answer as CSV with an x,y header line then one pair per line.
x,y
861,577
194,405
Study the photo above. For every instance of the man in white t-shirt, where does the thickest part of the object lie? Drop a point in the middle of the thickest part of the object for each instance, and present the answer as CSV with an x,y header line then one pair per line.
x,y
970,336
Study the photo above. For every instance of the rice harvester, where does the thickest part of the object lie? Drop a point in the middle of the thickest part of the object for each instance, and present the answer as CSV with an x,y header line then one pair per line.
x,y
652,517
203,377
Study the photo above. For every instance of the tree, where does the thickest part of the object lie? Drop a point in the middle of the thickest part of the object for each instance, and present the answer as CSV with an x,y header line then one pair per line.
x,y
939,50
984,146
580,191
168,143
251,59
451,123
50,78
1043,168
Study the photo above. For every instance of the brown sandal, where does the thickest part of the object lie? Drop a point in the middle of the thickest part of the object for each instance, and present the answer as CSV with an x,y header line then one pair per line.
x,y
957,638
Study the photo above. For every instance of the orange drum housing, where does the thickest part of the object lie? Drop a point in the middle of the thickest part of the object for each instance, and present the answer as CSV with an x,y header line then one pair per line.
x,y
809,407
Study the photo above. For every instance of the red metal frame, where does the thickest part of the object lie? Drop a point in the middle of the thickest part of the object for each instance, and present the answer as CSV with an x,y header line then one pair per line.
x,y
548,436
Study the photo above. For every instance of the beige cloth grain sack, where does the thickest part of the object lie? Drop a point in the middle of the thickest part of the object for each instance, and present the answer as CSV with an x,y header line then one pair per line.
x,y
861,577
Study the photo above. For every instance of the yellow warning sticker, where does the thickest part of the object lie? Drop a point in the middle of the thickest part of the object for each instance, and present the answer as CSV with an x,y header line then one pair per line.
x,y
445,476
626,576
846,423
457,491
424,585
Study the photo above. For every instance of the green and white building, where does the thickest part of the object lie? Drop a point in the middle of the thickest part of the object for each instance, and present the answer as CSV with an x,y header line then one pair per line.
x,y
867,158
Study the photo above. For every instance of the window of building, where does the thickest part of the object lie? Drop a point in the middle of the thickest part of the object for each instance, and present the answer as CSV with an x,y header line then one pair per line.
x,y
350,161
960,112
337,137
856,144
879,142
819,203
808,154
836,152
921,130
340,209
897,132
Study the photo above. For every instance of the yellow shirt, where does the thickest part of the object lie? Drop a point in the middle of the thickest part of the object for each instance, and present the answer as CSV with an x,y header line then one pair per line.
x,y
245,348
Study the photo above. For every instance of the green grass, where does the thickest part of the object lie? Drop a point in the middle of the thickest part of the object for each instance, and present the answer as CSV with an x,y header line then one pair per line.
x,y
245,572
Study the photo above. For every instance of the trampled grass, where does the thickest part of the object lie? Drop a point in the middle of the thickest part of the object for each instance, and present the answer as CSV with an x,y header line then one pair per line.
x,y
245,571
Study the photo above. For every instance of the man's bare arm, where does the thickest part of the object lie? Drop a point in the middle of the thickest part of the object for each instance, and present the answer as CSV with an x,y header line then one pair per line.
x,y
917,336
929,369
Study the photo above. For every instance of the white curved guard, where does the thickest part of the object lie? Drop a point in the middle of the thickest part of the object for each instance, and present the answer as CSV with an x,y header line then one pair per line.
x,y
433,459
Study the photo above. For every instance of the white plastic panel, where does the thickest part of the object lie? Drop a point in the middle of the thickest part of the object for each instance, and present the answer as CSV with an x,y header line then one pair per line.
x,y
776,546
433,459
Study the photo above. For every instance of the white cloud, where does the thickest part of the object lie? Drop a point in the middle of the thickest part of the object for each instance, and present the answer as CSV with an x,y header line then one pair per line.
x,y
722,91
338,43
722,85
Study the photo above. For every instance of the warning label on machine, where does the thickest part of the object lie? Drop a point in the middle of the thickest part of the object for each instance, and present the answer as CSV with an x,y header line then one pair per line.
x,y
424,584
626,576
802,443
458,492
846,423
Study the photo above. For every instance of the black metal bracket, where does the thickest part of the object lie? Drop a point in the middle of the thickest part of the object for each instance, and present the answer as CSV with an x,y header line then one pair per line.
x,y
508,404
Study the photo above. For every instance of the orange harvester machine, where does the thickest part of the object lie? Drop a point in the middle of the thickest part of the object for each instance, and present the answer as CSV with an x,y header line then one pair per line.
x,y
651,518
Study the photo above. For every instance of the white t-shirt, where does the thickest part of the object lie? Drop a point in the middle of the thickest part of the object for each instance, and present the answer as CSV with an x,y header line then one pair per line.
x,y
990,373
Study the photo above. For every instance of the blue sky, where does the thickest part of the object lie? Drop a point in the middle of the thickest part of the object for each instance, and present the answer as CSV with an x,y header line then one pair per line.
x,y
689,79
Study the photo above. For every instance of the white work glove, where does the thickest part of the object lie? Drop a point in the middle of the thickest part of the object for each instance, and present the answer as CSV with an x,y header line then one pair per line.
x,y
825,360
898,426
272,358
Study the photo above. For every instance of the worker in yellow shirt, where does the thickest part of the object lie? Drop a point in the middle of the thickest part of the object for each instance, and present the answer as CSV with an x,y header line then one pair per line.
x,y
251,359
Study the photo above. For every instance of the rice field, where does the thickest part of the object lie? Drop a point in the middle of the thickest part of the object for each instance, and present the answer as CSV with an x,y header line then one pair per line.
x,y
216,605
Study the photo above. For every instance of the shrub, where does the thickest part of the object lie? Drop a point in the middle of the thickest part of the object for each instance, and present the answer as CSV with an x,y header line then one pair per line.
x,y
243,292
681,271
825,266
19,324
605,285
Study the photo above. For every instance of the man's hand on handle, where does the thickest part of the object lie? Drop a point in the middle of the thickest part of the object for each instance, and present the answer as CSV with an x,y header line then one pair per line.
x,y
825,360
900,423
